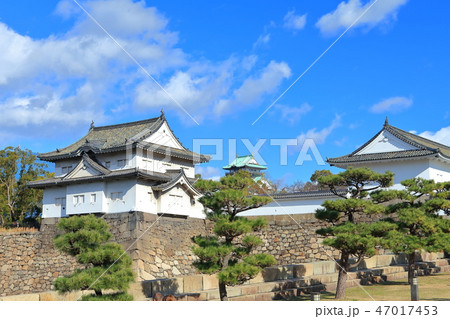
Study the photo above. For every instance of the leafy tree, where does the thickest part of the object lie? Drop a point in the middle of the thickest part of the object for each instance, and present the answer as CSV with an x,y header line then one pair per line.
x,y
347,234
419,226
228,251
107,266
17,201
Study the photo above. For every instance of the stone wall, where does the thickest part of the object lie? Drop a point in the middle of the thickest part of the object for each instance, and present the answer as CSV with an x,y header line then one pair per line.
x,y
28,263
292,239
159,246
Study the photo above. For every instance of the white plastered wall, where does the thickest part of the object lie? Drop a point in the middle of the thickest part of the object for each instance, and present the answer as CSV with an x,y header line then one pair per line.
x,y
439,171
404,169
86,190
49,207
177,201
145,199
127,203
288,206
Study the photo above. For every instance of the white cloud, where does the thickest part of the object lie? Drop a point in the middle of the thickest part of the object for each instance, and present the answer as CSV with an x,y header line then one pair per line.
x,y
347,12
254,87
82,74
292,114
66,80
262,40
319,137
393,104
442,136
209,172
293,21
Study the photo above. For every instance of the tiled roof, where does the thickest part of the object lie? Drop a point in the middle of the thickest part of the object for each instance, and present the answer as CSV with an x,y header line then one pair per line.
x,y
105,137
243,161
170,151
307,195
174,181
425,147
112,138
118,174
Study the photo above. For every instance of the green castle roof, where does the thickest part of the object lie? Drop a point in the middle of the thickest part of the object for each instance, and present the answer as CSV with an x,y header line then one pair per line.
x,y
244,161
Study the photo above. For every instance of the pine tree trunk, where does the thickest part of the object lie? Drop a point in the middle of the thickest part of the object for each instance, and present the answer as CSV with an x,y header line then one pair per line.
x,y
342,278
223,291
411,266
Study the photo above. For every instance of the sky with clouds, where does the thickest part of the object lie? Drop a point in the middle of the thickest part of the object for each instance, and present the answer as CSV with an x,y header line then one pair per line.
x,y
225,62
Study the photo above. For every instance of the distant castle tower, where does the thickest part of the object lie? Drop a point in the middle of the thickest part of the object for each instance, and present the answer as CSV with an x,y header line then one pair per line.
x,y
247,163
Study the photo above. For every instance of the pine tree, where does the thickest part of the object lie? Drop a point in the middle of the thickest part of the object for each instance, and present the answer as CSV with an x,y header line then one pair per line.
x,y
228,251
347,234
416,215
106,264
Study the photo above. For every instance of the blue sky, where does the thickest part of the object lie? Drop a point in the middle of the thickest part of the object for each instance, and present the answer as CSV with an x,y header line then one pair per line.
x,y
225,62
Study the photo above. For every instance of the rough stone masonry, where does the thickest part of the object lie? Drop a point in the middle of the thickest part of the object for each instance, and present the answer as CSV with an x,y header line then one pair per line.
x,y
159,246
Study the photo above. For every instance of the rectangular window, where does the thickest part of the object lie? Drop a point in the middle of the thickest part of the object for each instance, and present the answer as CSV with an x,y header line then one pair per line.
x,y
116,196
121,162
93,198
78,199
108,164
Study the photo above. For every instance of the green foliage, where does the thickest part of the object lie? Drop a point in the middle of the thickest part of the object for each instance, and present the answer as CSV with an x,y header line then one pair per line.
x,y
418,222
121,296
358,180
230,195
356,239
228,252
107,265
321,173
19,203
346,233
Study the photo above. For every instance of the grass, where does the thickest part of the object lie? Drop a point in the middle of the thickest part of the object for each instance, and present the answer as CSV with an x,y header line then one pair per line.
x,y
120,296
18,229
435,287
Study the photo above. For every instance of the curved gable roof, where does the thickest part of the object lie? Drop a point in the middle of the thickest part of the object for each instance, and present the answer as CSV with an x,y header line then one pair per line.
x,y
423,147
117,137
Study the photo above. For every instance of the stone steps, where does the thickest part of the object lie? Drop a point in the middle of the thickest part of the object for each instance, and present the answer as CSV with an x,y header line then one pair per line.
x,y
192,288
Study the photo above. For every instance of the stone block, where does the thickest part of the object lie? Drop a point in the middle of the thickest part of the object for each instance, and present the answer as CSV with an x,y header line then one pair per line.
x,y
384,260
303,270
264,297
193,283
213,294
197,297
210,282
234,291
278,273
368,263
401,259
323,279
258,279
168,286
141,290
28,297
48,296
249,290
71,296
243,298
324,267
266,287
